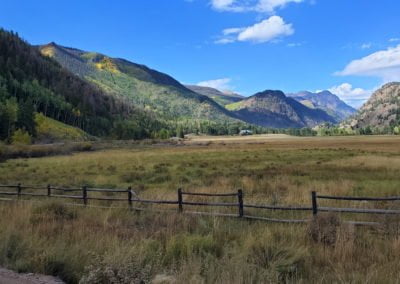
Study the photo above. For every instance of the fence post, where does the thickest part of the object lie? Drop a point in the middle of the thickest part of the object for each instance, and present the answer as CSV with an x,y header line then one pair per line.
x,y
48,190
240,199
314,203
19,190
180,200
130,197
84,194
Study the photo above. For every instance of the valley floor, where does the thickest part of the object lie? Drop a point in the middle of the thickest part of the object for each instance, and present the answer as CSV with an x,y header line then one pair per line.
x,y
106,245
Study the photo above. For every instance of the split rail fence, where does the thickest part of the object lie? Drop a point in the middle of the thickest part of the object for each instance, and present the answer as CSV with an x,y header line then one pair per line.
x,y
20,191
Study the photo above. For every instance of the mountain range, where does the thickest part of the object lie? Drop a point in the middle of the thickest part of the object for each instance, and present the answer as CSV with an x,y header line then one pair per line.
x,y
112,96
157,92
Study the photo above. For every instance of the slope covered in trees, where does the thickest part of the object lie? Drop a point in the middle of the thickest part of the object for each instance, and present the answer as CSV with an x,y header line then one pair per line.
x,y
31,82
138,84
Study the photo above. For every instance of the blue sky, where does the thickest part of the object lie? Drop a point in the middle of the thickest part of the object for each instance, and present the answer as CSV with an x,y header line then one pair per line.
x,y
348,46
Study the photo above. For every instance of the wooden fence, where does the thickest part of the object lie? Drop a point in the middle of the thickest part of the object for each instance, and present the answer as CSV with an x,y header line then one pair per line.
x,y
131,197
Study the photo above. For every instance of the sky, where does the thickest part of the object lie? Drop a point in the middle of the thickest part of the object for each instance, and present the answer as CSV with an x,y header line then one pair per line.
x,y
350,47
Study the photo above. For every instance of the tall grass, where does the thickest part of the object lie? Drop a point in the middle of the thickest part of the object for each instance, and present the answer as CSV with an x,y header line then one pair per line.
x,y
118,246
111,246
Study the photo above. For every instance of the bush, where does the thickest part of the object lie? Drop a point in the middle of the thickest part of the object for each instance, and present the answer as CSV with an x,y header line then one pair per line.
x,y
126,272
21,137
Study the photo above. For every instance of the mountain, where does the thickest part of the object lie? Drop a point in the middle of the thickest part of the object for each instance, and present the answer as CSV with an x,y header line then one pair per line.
x,y
380,111
223,98
30,83
326,101
273,109
137,84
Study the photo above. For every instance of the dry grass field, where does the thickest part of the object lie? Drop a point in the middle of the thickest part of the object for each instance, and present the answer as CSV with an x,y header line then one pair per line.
x,y
117,246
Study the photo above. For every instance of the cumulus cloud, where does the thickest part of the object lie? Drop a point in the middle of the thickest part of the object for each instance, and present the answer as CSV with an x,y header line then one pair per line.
x,y
268,6
384,64
222,84
264,31
353,96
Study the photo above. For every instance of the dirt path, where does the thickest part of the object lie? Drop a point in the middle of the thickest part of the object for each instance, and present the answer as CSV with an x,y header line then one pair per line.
x,y
11,277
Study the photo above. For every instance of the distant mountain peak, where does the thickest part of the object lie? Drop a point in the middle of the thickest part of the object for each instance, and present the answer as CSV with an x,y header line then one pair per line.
x,y
271,108
270,93
326,101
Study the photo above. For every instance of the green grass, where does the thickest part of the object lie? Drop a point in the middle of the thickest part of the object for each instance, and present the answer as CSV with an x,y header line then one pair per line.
x,y
101,246
233,106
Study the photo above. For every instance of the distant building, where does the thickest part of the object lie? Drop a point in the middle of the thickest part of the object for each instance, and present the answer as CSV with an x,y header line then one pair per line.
x,y
245,132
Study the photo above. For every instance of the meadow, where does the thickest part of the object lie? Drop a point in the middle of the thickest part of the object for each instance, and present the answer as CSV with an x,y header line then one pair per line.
x,y
93,245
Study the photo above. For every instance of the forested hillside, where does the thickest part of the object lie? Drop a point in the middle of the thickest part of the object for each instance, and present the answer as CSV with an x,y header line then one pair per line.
x,y
138,84
31,82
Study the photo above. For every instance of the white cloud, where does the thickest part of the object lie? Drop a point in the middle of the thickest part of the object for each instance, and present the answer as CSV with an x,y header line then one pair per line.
x,y
232,31
222,84
268,6
294,44
353,96
394,39
384,64
366,45
264,31
222,4
224,40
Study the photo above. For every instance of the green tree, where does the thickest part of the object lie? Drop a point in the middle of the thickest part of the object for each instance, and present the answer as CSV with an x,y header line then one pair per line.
x,y
26,117
8,118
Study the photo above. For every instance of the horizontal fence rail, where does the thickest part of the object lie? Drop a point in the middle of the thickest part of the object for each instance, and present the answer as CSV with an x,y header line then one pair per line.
x,y
131,197
209,194
351,198
271,207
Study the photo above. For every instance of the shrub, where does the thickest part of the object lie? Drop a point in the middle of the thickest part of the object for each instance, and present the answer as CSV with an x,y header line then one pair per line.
x,y
21,137
126,272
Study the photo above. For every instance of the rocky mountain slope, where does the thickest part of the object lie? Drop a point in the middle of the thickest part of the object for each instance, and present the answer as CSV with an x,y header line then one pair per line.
x,y
223,98
380,111
326,101
273,109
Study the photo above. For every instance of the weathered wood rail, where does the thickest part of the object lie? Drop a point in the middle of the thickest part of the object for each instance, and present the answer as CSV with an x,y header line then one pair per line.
x,y
131,197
